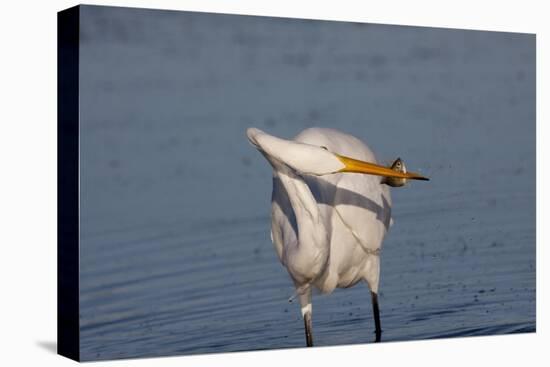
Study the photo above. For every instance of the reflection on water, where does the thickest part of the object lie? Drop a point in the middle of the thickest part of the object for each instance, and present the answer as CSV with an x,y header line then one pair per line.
x,y
176,256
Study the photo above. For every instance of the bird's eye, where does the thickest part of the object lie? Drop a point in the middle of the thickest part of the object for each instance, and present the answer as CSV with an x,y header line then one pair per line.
x,y
325,148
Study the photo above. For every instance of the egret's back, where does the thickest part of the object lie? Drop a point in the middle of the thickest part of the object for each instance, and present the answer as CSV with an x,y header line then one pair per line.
x,y
355,209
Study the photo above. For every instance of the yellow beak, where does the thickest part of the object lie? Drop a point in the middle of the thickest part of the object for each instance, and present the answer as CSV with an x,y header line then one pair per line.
x,y
357,166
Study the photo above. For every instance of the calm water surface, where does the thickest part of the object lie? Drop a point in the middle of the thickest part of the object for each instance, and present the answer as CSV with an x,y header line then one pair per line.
x,y
176,256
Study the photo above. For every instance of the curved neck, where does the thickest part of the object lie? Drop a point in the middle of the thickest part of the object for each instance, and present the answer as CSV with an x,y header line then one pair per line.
x,y
312,232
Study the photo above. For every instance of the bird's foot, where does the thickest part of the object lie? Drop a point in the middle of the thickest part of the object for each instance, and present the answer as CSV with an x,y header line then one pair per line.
x,y
378,336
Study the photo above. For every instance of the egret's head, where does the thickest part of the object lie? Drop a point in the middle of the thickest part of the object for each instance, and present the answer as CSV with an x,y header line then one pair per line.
x,y
304,158
318,160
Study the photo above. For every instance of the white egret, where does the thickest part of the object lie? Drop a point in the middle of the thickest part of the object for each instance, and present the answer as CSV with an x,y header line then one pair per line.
x,y
331,208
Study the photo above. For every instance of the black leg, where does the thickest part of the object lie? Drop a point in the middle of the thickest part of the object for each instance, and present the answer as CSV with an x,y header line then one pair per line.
x,y
376,312
305,303
307,324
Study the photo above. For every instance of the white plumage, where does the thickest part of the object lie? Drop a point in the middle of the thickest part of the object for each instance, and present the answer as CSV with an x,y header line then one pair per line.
x,y
328,224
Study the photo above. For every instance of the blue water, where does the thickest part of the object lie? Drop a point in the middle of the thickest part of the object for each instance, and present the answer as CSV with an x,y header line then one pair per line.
x,y
175,250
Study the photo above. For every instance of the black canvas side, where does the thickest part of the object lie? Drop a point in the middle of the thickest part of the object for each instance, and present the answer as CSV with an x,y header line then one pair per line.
x,y
68,343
